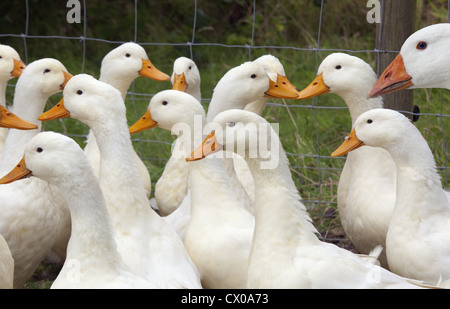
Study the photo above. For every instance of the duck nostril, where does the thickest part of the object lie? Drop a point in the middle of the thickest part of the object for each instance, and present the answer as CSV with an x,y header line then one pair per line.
x,y
315,84
388,75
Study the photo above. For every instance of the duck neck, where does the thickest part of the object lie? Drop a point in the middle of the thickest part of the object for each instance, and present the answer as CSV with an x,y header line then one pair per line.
x,y
257,106
416,172
92,235
28,104
3,85
121,84
280,215
119,174
358,103
211,179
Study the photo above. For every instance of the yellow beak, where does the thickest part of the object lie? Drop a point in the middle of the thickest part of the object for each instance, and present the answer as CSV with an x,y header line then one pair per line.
x,y
57,111
67,77
179,82
19,66
351,143
208,146
20,171
9,120
316,88
150,71
282,89
144,123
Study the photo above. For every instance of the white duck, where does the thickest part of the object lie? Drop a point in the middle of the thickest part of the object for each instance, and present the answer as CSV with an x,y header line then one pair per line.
x,y
34,220
366,191
172,187
417,243
9,120
92,257
217,228
184,116
148,245
423,62
186,77
10,66
286,252
120,67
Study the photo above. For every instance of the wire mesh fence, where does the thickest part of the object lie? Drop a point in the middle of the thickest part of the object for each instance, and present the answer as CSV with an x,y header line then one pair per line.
x,y
307,128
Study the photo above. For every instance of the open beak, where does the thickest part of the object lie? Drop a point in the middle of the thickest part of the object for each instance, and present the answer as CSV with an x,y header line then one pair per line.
x,y
394,78
19,66
9,120
282,89
316,88
57,111
67,77
208,146
144,123
20,171
351,143
150,71
179,82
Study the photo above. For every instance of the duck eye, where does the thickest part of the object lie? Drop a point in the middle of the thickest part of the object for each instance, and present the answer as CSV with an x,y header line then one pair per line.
x,y
79,92
46,71
39,149
338,67
369,121
231,124
253,76
421,45
190,67
165,103
127,55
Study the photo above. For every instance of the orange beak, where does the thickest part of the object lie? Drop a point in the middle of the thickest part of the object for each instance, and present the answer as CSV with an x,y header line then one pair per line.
x,y
316,88
179,82
208,146
9,120
144,123
19,66
57,111
351,143
67,77
394,78
150,71
20,171
282,89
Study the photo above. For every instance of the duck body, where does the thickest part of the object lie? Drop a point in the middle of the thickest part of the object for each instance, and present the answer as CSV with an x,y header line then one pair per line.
x,y
92,257
366,191
286,252
148,245
219,234
35,220
217,229
416,243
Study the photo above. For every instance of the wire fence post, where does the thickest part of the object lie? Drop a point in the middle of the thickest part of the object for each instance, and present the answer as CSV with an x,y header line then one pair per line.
x,y
397,24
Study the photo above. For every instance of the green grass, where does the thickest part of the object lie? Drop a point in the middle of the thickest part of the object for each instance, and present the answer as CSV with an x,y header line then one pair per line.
x,y
305,132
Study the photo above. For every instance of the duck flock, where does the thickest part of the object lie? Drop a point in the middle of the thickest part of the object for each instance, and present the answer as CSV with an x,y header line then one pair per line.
x,y
229,214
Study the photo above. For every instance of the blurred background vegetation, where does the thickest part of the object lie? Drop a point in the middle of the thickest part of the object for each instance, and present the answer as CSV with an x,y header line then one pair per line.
x,y
301,33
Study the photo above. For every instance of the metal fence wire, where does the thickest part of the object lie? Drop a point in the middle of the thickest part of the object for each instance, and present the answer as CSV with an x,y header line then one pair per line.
x,y
316,173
